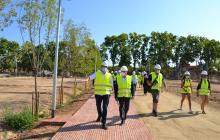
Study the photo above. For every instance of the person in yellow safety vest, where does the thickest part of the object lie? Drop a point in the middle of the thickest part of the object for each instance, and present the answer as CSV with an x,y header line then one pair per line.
x,y
134,81
103,88
124,93
155,80
204,90
186,90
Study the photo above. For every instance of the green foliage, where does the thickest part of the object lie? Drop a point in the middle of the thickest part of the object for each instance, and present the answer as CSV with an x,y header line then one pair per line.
x,y
135,43
125,53
7,13
163,48
9,53
111,44
19,121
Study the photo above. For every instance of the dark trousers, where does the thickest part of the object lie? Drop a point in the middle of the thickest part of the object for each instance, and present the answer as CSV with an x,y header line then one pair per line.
x,y
124,104
102,102
133,88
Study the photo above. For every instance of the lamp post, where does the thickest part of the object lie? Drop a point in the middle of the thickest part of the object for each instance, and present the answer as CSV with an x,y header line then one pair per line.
x,y
56,64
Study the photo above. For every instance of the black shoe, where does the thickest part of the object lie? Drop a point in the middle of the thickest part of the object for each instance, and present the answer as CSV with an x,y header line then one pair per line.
x,y
155,114
104,127
122,122
203,112
98,119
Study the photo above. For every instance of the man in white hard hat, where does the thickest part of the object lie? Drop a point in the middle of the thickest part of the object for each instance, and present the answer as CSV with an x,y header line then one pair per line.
x,y
155,80
123,93
103,87
204,90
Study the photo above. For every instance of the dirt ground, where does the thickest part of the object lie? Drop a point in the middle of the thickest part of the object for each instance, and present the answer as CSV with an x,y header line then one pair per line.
x,y
174,124
16,93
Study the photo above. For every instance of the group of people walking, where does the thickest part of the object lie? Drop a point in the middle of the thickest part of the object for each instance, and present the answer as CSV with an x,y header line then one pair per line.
x,y
124,86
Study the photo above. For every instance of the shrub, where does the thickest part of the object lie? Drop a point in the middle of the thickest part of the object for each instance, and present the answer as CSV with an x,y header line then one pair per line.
x,y
20,120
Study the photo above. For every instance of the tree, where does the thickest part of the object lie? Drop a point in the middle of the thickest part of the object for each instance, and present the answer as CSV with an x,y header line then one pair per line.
x,y
37,19
103,51
111,43
210,53
135,42
144,50
125,52
9,53
189,49
7,13
161,45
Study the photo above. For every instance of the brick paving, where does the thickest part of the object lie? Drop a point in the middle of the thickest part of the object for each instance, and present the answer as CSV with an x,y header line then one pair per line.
x,y
82,125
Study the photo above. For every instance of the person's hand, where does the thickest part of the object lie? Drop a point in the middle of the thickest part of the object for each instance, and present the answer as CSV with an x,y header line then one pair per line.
x,y
87,79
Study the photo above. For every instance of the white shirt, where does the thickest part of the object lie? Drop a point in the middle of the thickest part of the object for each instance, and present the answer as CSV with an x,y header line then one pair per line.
x,y
134,79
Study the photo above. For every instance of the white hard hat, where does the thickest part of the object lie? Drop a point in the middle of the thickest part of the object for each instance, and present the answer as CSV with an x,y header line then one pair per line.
x,y
204,72
124,68
157,66
104,64
119,71
112,71
187,73
133,72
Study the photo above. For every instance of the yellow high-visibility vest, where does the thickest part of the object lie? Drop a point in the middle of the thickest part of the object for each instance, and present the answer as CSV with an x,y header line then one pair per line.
x,y
204,90
157,81
186,87
124,86
103,86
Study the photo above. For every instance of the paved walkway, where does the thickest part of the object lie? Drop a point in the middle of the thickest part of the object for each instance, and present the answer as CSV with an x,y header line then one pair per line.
x,y
82,125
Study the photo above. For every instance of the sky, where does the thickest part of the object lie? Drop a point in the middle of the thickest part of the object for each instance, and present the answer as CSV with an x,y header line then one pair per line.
x,y
113,17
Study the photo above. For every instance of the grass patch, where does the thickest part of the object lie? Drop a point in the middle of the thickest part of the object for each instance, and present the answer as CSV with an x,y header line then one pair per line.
x,y
18,120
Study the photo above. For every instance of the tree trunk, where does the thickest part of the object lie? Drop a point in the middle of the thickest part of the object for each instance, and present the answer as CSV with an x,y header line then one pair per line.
x,y
36,95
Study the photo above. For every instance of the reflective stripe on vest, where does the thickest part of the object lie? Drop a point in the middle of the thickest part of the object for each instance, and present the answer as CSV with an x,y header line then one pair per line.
x,y
102,84
204,90
157,80
124,86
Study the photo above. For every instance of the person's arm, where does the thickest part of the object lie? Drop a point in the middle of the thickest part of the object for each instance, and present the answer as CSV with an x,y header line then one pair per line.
x,y
191,86
111,81
210,88
198,87
116,90
132,90
164,84
181,83
92,76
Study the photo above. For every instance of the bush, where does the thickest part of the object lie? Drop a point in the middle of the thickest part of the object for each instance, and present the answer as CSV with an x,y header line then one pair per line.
x,y
18,121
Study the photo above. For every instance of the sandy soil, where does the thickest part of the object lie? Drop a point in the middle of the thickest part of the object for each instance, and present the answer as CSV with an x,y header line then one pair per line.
x,y
174,124
17,92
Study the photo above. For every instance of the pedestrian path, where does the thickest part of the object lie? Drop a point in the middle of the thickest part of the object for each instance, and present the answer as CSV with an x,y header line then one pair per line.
x,y
82,125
